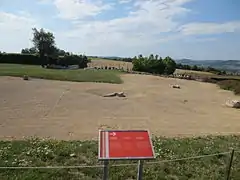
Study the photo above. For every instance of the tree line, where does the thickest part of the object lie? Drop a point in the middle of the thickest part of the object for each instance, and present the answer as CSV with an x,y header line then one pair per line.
x,y
178,65
154,64
44,52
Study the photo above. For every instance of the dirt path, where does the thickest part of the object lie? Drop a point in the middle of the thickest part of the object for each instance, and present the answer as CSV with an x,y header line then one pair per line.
x,y
68,110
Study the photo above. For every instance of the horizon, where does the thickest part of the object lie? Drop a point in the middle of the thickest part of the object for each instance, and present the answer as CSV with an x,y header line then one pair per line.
x,y
181,29
173,58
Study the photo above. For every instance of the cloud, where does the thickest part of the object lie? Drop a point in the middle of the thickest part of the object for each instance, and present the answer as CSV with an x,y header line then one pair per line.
x,y
15,30
124,1
145,25
80,9
88,26
209,28
44,1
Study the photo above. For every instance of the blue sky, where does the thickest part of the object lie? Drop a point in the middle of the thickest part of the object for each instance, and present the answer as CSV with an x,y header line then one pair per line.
x,y
197,29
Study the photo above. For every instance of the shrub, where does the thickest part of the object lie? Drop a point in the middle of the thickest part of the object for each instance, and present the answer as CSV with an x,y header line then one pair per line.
x,y
12,58
232,85
30,59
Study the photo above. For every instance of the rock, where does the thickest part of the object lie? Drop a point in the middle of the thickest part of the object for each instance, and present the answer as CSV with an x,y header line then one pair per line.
x,y
110,94
233,103
176,86
121,94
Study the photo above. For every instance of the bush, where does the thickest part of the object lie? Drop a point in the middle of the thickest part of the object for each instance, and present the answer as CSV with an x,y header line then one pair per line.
x,y
232,85
153,64
11,58
30,59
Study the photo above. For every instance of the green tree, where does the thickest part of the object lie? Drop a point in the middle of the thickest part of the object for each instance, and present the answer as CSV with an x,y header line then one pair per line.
x,y
43,42
32,50
151,57
153,64
170,65
195,68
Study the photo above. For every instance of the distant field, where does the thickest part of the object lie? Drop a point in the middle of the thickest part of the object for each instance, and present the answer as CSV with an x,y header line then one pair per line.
x,y
182,71
78,75
206,74
99,62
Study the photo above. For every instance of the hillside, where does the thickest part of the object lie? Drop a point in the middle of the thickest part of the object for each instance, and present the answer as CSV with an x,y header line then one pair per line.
x,y
229,65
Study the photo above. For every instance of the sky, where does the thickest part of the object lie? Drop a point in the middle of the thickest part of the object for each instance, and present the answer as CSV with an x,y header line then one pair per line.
x,y
195,29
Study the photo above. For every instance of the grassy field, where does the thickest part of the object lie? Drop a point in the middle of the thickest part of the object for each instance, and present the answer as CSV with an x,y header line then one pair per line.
x,y
191,72
78,75
36,152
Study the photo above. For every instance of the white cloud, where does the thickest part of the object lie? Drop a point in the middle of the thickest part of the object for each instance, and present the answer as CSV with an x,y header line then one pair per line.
x,y
44,1
209,28
15,30
124,1
80,9
149,26
139,29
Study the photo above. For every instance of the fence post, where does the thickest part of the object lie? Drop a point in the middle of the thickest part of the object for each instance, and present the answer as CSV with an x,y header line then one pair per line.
x,y
140,170
105,170
230,165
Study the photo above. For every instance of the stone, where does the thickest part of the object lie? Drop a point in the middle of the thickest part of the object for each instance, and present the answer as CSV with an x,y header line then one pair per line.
x,y
121,94
233,103
176,86
110,94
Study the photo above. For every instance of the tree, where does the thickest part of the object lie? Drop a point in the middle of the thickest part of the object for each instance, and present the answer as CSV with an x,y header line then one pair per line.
x,y
151,57
32,50
153,64
43,42
195,68
170,65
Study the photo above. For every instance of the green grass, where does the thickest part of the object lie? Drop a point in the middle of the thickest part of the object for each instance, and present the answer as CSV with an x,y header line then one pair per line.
x,y
98,58
36,152
78,75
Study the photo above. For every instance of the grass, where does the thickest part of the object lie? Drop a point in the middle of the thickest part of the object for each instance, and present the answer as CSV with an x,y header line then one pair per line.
x,y
98,58
227,82
36,152
191,72
231,85
78,75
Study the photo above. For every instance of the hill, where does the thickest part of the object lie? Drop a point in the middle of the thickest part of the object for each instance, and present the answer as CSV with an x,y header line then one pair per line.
x,y
229,65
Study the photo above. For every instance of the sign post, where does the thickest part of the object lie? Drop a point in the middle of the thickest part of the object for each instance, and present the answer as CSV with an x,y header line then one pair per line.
x,y
105,170
140,170
125,144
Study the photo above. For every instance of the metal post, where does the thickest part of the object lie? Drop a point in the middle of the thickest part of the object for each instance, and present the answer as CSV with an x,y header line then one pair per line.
x,y
105,170
140,170
230,165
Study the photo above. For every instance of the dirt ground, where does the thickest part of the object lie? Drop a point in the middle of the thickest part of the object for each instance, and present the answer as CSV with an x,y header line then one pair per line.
x,y
68,110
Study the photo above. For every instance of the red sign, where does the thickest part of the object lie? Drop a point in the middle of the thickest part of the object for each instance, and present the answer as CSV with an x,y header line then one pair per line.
x,y
118,144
